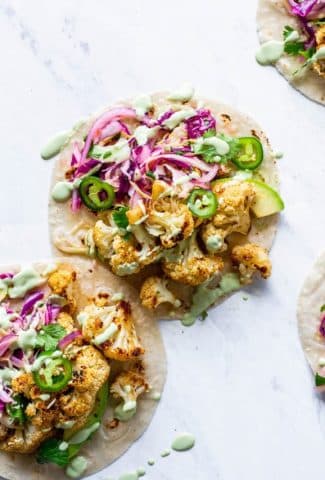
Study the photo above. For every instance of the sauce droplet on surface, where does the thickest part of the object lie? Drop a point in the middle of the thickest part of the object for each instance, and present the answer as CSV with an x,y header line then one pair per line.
x,y
183,442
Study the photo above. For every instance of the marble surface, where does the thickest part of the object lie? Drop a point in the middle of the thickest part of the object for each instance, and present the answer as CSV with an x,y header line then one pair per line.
x,y
238,380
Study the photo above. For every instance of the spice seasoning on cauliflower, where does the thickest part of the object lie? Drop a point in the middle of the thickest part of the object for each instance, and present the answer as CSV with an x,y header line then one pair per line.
x,y
154,292
54,388
191,184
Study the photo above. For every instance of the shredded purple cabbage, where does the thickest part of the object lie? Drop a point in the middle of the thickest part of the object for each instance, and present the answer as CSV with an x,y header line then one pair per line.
x,y
85,167
51,313
30,303
322,326
164,117
6,275
200,123
307,8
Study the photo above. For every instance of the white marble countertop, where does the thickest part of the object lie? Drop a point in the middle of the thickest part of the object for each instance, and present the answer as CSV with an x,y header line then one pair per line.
x,y
238,380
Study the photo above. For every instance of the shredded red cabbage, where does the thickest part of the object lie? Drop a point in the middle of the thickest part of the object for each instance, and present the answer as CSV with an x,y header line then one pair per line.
x,y
164,117
322,326
6,275
75,201
30,303
5,397
108,117
51,313
200,123
65,341
85,167
6,342
307,8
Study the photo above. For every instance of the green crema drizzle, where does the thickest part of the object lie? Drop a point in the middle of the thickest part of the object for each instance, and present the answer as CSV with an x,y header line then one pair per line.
x,y
204,296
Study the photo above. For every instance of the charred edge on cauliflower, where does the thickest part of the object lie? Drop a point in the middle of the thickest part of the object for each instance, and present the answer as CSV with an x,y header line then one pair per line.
x,y
249,259
154,292
188,264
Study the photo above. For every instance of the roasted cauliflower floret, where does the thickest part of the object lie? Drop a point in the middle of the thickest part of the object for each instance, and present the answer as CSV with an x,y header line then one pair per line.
x,y
125,256
213,238
61,279
235,199
188,264
111,329
66,321
124,259
103,236
319,66
26,440
127,387
170,220
23,384
148,250
154,292
90,370
249,259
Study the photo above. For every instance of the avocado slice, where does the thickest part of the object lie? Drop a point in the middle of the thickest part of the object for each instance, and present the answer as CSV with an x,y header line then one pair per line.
x,y
267,201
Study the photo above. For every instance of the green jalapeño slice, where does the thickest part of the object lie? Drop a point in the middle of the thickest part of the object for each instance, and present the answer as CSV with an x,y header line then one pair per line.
x,y
54,375
202,203
250,154
96,194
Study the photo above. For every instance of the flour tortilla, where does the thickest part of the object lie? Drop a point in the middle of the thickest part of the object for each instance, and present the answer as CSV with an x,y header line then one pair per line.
x,y
230,121
107,444
272,16
311,298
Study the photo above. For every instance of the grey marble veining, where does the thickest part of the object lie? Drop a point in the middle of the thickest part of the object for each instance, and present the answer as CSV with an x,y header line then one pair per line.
x,y
238,380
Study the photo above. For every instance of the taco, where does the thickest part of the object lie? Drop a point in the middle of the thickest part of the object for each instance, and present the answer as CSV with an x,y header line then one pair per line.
x,y
292,36
311,320
78,358
174,194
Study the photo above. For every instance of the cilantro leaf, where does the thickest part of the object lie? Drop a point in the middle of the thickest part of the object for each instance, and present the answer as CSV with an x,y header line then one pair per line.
x,y
287,31
234,147
322,308
50,338
150,175
210,133
208,152
295,48
16,410
49,452
319,380
120,218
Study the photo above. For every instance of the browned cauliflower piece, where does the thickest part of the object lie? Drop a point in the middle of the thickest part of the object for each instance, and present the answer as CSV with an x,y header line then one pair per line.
x,y
4,431
124,259
213,238
66,321
128,386
154,292
111,329
188,264
23,384
25,441
103,236
249,259
61,279
170,220
125,256
235,199
319,66
45,412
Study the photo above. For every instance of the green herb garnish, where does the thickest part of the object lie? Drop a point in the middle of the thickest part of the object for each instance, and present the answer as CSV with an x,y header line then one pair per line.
x,y
49,452
50,338
120,218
